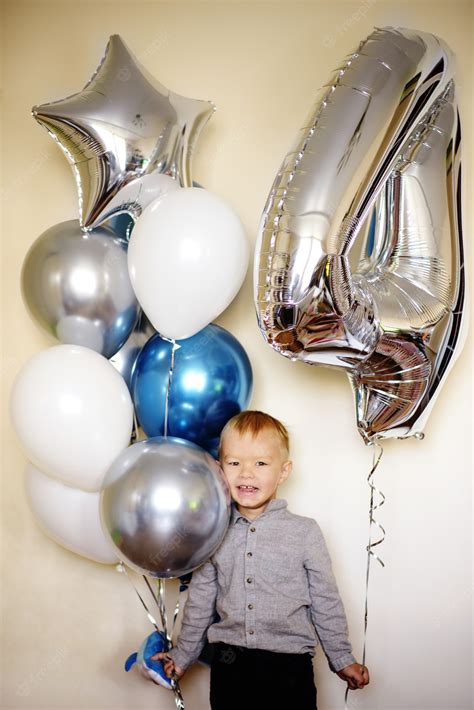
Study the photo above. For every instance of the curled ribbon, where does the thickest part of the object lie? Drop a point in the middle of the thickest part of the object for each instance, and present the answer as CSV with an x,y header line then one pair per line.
x,y
175,347
377,455
135,432
159,598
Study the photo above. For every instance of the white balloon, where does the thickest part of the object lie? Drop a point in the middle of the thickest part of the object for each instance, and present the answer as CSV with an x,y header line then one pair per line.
x,y
187,259
68,515
73,414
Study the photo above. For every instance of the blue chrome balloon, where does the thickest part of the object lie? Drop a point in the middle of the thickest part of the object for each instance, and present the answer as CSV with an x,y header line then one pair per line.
x,y
126,359
212,381
122,224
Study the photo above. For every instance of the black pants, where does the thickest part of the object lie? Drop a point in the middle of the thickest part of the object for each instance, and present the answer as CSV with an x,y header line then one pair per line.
x,y
252,679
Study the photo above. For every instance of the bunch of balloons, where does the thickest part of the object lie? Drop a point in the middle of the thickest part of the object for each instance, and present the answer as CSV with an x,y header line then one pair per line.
x,y
130,290
360,260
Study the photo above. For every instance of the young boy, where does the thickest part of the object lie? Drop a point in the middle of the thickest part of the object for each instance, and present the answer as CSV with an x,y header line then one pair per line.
x,y
270,582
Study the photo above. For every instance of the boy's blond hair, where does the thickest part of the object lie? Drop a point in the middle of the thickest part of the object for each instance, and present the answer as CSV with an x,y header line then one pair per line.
x,y
253,422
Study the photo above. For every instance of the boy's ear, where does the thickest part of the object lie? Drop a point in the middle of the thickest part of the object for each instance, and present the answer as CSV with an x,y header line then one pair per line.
x,y
286,470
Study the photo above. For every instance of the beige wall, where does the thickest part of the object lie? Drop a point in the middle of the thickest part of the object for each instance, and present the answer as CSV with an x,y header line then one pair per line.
x,y
68,624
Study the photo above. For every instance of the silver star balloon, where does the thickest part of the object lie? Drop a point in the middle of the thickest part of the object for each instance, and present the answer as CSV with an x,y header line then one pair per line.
x,y
125,135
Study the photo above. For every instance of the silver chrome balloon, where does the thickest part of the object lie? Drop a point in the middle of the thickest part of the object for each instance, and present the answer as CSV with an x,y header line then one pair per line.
x,y
359,263
125,359
166,506
120,132
76,286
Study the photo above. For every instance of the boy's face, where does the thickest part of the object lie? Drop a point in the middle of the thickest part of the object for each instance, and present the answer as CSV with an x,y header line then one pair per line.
x,y
254,467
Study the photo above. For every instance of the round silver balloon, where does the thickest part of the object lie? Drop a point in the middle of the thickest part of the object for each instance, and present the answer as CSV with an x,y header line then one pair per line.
x,y
121,132
359,263
166,506
76,286
125,359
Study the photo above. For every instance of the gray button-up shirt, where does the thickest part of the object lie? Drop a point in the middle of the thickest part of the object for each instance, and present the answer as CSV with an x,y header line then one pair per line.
x,y
272,586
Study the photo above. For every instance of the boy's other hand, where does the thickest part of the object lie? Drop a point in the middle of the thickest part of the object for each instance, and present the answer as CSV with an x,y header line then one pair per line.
x,y
171,669
357,676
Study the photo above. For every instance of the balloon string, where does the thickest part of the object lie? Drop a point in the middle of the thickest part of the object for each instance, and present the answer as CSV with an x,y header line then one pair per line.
x,y
175,347
122,568
161,608
134,436
159,597
377,455
160,600
178,698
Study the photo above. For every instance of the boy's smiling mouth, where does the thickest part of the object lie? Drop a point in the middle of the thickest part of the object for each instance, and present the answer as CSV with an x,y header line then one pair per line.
x,y
246,489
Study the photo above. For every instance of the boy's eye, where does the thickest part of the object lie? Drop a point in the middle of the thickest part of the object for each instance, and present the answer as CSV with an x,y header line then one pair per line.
x,y
261,463
232,463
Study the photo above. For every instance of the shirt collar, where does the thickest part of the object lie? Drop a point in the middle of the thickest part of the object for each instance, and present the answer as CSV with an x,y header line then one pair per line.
x,y
273,506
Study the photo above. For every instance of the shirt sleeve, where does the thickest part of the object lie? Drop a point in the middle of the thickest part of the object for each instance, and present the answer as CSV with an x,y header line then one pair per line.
x,y
198,615
327,610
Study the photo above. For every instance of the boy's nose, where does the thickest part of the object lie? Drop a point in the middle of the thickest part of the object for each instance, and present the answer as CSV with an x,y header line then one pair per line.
x,y
248,475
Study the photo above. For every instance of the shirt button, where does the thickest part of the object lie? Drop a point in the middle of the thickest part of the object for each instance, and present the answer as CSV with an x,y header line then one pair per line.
x,y
249,580
251,633
249,606
252,529
249,554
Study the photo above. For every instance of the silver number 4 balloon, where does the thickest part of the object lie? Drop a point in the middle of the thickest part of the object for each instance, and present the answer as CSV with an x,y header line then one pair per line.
x,y
122,134
359,263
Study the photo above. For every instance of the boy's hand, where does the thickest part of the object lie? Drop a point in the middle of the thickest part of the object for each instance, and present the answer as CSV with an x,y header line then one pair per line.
x,y
356,675
171,669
